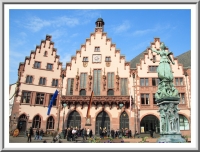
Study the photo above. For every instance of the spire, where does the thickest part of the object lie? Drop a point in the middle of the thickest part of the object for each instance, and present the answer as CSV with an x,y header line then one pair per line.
x,y
100,23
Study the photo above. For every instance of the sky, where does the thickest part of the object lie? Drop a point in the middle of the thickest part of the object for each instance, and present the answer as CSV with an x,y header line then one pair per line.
x,y
132,30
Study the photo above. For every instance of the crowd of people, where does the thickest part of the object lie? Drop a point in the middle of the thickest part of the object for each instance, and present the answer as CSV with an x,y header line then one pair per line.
x,y
72,133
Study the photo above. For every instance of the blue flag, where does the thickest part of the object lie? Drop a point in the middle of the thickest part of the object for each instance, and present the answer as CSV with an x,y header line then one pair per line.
x,y
51,101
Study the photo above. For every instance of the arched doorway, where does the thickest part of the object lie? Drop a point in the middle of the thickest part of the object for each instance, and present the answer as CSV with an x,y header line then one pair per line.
x,y
74,120
124,120
102,120
150,122
22,123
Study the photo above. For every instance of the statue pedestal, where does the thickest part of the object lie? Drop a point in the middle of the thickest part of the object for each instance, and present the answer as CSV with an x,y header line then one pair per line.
x,y
169,121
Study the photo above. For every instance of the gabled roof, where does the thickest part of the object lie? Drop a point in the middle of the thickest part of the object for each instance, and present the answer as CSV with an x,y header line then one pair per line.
x,y
185,59
136,60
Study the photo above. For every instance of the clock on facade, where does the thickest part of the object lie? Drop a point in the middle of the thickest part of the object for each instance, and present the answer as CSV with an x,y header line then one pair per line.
x,y
96,58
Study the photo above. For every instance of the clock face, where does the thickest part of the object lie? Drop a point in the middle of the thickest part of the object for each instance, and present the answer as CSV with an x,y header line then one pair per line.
x,y
96,58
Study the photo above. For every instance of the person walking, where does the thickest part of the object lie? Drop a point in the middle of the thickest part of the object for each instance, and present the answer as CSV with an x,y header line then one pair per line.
x,y
30,133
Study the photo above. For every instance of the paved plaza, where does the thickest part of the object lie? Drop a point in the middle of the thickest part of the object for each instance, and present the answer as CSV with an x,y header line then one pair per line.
x,y
49,140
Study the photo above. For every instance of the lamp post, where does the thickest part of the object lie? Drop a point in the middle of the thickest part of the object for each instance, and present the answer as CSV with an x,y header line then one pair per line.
x,y
60,102
63,131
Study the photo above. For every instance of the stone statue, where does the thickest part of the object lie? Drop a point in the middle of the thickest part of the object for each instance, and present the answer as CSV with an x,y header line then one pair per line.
x,y
166,87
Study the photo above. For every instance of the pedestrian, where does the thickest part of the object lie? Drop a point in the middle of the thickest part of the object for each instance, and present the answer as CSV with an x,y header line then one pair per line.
x,y
30,133
112,133
41,134
37,134
90,134
85,131
73,134
68,135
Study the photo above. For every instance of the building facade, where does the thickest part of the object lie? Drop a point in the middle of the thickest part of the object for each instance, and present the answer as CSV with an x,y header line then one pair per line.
x,y
123,91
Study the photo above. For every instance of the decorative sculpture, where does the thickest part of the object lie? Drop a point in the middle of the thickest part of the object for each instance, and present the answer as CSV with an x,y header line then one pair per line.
x,y
167,99
166,87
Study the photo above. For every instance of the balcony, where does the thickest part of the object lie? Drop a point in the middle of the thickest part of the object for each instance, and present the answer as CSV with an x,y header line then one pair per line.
x,y
103,100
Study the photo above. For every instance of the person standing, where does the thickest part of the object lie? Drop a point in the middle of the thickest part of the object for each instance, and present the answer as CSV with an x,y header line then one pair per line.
x,y
37,134
30,133
41,134
112,133
90,133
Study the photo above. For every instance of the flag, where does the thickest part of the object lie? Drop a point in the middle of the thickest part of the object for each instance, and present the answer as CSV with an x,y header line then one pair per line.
x,y
130,103
51,101
89,106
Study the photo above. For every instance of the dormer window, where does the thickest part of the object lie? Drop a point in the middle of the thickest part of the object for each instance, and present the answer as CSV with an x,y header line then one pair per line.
x,y
97,49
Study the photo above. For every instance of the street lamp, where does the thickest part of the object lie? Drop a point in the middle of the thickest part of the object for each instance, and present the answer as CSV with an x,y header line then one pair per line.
x,y
121,105
63,131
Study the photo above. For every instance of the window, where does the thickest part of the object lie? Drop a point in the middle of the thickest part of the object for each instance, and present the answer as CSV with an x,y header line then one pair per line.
x,y
70,84
108,59
42,81
39,98
110,92
183,122
154,58
82,92
179,81
55,82
49,66
25,96
97,82
145,99
83,80
110,78
182,98
36,122
154,99
54,102
144,81
29,79
45,53
37,65
123,82
97,49
153,68
50,123
155,81
85,59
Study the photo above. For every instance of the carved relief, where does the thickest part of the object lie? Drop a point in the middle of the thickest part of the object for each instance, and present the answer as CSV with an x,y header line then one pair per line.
x,y
108,64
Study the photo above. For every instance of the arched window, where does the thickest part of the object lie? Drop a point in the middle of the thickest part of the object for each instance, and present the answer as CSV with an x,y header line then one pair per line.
x,y
42,81
36,122
184,123
50,123
102,120
82,92
74,120
124,120
110,92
